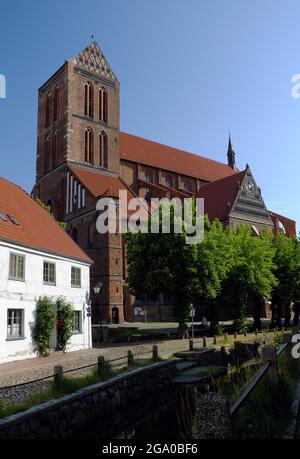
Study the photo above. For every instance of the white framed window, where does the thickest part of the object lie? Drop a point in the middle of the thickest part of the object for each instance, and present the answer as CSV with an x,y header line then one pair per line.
x,y
77,324
17,267
15,323
49,275
75,277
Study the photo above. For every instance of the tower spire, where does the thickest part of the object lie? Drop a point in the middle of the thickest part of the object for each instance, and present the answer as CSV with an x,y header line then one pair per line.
x,y
230,154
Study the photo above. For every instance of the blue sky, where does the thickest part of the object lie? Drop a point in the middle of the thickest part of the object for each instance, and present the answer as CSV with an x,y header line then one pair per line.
x,y
190,70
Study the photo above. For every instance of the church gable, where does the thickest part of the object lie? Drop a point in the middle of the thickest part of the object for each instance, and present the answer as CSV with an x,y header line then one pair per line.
x,y
93,60
249,201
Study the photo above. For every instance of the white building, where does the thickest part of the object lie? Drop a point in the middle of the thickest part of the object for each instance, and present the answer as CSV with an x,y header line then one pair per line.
x,y
37,258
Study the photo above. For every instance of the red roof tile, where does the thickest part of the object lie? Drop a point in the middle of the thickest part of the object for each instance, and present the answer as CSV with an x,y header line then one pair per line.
x,y
37,228
219,194
154,154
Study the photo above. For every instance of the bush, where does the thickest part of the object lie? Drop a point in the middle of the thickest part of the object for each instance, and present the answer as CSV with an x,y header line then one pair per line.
x,y
64,322
44,324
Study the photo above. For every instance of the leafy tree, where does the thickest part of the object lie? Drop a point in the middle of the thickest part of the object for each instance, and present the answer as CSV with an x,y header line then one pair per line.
x,y
214,261
44,324
159,262
251,272
64,322
287,272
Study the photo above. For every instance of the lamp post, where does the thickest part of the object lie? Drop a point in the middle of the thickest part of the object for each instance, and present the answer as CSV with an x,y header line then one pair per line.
x,y
193,310
97,288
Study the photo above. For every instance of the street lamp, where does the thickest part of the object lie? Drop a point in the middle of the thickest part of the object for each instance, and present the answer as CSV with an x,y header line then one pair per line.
x,y
193,310
97,289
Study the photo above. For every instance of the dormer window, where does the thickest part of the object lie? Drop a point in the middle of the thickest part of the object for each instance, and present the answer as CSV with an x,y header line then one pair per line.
x,y
2,217
13,220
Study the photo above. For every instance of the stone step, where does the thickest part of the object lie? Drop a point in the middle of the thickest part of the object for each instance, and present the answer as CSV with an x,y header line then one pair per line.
x,y
189,380
182,366
211,370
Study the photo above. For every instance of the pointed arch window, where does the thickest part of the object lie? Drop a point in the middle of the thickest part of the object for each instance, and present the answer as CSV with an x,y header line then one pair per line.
x,y
47,154
103,150
74,234
91,232
55,149
48,108
149,177
56,104
169,181
103,105
89,146
89,100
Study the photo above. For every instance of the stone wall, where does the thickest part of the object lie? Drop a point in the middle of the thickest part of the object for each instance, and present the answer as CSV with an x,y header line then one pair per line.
x,y
104,404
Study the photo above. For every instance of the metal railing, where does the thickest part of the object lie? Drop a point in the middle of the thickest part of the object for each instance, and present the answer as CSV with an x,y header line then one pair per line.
x,y
259,376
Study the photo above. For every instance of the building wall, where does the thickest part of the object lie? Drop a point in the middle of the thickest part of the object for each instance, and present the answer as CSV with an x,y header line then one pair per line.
x,y
23,295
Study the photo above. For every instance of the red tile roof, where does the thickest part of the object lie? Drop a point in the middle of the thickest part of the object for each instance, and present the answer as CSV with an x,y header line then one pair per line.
x,y
219,196
98,183
154,154
37,228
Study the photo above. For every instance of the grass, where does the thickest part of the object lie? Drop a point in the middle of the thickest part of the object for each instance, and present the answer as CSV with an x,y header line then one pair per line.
x,y
70,385
268,411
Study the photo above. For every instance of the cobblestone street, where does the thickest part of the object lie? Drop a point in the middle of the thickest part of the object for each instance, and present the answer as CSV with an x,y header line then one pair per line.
x,y
29,370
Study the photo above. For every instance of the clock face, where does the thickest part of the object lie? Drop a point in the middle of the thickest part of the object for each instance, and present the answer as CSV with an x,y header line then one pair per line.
x,y
249,187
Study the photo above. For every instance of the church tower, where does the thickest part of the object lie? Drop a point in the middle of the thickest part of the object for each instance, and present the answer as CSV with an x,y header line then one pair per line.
x,y
230,154
78,161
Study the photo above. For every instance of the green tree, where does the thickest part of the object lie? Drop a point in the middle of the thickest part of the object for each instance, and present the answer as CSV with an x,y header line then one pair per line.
x,y
287,272
214,261
44,324
64,322
251,273
159,262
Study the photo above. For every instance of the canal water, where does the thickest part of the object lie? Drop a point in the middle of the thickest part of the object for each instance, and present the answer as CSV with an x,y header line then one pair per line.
x,y
166,416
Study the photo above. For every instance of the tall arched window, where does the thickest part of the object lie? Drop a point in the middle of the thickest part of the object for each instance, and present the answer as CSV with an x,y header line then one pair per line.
x,y
89,100
48,108
149,176
169,181
103,150
74,234
56,103
103,105
89,146
91,232
48,154
55,149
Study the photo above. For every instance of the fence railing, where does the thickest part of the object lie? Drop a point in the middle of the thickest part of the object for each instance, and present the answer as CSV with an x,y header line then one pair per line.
x,y
269,369
59,371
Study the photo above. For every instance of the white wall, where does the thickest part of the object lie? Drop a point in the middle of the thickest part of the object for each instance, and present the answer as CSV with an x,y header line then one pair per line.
x,y
23,295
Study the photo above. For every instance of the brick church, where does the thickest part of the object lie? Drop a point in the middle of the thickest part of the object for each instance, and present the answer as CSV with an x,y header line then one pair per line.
x,y
82,155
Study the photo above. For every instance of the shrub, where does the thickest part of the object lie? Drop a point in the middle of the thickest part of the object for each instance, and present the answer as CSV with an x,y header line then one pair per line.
x,y
44,324
64,322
